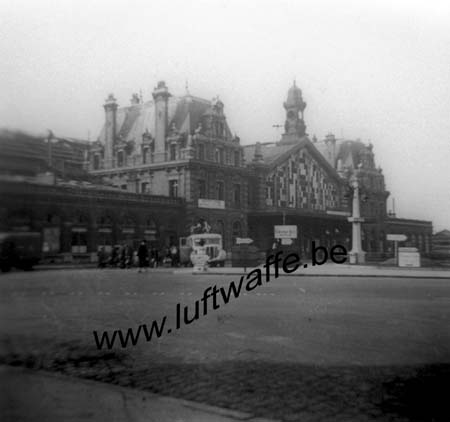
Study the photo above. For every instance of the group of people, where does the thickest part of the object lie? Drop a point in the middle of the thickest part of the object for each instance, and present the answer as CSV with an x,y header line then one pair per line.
x,y
124,256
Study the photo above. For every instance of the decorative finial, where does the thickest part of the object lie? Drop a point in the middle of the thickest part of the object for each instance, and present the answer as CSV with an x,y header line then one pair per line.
x,y
187,88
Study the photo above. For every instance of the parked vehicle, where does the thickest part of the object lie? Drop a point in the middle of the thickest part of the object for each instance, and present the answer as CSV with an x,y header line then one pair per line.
x,y
19,250
210,241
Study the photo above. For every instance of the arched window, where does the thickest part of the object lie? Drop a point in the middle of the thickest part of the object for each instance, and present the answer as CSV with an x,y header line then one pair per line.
x,y
51,234
236,230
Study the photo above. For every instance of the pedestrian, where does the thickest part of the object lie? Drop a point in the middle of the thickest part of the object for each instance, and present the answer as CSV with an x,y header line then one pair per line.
x,y
114,257
128,256
174,255
154,257
101,257
143,256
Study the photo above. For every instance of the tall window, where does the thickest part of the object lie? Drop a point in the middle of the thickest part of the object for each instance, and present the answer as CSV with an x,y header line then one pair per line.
x,y
79,240
202,189
96,162
145,155
237,195
220,191
173,188
217,156
173,152
144,187
237,231
201,152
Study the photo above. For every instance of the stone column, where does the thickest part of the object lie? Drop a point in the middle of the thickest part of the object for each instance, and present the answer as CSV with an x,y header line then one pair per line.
x,y
161,98
357,255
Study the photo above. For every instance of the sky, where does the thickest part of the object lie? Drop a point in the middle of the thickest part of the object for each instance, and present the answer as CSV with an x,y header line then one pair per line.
x,y
374,71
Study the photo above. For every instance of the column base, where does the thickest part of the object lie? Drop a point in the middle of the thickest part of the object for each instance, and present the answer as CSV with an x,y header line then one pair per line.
x,y
357,257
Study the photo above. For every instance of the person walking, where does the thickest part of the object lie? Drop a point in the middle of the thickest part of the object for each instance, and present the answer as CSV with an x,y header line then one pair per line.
x,y
143,256
174,255
101,257
154,257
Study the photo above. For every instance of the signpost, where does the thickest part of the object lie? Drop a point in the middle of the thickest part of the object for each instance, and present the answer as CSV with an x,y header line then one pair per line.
x,y
243,241
396,238
285,232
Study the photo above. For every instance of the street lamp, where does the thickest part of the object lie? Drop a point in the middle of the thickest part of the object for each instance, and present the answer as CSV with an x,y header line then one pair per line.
x,y
50,140
357,255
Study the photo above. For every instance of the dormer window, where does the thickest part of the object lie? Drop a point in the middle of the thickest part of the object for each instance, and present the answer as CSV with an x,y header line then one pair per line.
x,y
96,162
145,155
173,152
237,160
120,159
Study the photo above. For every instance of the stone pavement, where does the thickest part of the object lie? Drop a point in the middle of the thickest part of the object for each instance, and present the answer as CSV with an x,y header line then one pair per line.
x,y
225,391
41,396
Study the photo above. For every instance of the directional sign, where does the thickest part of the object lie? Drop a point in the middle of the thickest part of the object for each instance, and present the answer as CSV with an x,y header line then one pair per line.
x,y
397,237
243,241
285,232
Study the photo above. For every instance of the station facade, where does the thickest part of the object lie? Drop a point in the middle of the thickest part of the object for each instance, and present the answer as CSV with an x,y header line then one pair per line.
x,y
162,167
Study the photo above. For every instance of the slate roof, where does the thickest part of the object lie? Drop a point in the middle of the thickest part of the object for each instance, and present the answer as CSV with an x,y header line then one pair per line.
x,y
134,120
270,151
347,150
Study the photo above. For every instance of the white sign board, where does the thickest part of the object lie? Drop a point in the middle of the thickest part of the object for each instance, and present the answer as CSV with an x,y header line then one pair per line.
x,y
211,203
286,241
343,213
407,258
397,237
285,232
243,241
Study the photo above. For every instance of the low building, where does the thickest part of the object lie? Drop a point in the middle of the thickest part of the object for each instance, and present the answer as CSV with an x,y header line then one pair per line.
x,y
77,218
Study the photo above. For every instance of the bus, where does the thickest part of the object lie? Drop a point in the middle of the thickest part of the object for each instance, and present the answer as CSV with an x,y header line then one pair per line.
x,y
211,242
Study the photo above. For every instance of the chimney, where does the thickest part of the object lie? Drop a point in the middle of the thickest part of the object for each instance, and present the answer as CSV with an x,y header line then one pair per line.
x,y
330,142
110,107
258,156
161,99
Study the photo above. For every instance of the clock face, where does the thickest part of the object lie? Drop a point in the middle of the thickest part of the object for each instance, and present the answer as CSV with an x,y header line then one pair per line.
x,y
291,115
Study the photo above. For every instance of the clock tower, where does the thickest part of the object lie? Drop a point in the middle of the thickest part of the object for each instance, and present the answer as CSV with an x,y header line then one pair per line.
x,y
294,126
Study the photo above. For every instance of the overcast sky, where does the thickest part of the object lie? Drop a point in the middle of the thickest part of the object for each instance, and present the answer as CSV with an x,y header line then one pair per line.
x,y
377,71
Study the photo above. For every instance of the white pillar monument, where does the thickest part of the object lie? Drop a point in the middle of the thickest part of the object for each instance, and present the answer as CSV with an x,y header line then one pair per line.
x,y
357,255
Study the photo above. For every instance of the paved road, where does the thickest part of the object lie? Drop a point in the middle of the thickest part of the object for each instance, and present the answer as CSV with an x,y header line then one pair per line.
x,y
295,348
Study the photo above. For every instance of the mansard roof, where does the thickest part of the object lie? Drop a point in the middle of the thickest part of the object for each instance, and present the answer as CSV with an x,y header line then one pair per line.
x,y
184,112
275,153
349,151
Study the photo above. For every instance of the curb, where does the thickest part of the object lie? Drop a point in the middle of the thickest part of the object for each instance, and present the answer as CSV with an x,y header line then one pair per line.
x,y
445,277
166,401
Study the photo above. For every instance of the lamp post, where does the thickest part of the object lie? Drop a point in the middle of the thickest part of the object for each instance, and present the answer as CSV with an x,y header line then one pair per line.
x,y
357,255
50,140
